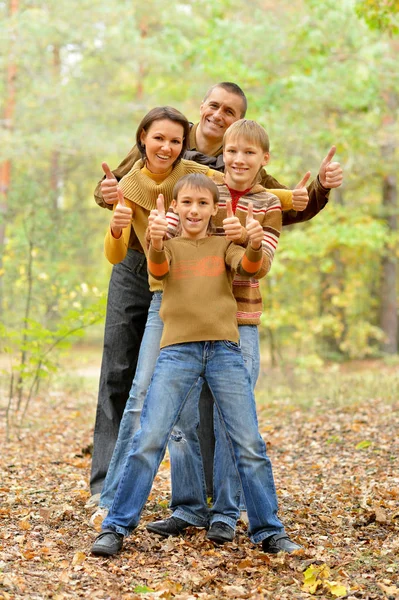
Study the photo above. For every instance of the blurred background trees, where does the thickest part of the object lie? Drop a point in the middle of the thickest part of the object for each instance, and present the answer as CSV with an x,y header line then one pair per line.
x,y
76,78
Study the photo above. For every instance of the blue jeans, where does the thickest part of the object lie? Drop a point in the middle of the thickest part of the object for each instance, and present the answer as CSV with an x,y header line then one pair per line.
x,y
184,437
128,300
178,378
227,493
185,452
149,351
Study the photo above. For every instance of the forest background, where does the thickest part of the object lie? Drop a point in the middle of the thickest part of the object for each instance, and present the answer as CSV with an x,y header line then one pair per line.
x,y
76,78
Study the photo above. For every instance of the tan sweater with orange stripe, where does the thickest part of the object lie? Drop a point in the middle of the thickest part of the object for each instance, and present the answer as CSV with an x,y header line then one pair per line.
x,y
267,210
198,302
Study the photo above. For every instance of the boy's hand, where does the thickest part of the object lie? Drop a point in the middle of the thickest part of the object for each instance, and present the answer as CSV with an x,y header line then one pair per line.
x,y
157,224
300,196
231,224
109,185
254,229
330,173
122,215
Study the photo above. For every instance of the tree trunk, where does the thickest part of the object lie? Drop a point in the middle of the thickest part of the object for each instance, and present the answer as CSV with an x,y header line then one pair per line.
x,y
5,167
389,266
55,173
389,276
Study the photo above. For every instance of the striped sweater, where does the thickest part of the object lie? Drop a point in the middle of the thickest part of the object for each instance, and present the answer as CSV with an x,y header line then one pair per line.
x,y
267,210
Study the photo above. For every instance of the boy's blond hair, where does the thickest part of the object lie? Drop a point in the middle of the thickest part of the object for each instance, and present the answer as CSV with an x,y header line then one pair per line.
x,y
249,130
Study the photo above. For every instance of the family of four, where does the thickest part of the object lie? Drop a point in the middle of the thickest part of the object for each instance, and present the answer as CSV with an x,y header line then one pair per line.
x,y
209,228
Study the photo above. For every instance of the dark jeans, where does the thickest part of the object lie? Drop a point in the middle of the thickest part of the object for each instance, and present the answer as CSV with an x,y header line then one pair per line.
x,y
128,300
206,436
127,308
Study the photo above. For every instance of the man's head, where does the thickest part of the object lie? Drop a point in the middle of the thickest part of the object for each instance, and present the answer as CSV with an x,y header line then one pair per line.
x,y
196,199
224,103
245,151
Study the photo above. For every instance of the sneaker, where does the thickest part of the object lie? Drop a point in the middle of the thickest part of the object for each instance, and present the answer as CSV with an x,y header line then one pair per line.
x,y
280,542
220,533
93,501
107,543
170,526
98,517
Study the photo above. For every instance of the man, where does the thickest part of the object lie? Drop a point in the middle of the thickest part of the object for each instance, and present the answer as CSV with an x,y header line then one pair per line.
x,y
129,296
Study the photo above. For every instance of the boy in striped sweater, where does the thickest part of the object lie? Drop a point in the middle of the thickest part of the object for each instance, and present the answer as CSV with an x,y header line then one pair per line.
x,y
200,342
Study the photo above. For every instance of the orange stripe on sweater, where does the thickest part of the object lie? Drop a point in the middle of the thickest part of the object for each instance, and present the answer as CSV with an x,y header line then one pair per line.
x,y
249,266
158,270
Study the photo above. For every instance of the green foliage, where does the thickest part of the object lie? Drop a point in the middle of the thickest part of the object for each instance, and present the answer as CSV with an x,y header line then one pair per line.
x,y
382,15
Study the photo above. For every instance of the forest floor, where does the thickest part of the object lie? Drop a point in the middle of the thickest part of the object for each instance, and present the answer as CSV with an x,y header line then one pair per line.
x,y
333,440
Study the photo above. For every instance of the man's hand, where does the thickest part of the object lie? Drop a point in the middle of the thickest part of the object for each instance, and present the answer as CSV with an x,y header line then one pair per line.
x,y
122,215
231,224
254,228
109,185
300,196
330,173
157,224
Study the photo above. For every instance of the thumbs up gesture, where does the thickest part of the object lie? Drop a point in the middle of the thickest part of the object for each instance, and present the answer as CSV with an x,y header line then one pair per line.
x,y
121,216
109,185
300,196
157,224
254,229
330,173
231,224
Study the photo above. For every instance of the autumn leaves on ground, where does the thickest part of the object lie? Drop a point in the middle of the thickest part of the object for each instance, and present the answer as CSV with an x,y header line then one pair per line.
x,y
333,440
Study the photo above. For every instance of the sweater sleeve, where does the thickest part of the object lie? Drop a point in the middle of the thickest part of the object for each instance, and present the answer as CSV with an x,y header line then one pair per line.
x,y
158,263
285,197
248,263
272,225
119,172
115,249
318,198
173,223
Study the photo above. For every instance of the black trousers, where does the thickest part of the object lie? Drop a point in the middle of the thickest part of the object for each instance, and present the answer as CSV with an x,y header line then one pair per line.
x,y
127,308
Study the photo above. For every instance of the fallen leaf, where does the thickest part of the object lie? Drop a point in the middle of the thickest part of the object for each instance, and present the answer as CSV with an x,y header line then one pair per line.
x,y
78,558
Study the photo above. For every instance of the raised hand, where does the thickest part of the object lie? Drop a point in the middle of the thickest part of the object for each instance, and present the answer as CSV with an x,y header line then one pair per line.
x,y
157,224
330,173
231,224
300,196
109,185
121,216
254,229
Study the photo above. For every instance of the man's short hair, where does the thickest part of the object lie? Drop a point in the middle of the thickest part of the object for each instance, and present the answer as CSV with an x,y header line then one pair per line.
x,y
250,131
197,181
232,88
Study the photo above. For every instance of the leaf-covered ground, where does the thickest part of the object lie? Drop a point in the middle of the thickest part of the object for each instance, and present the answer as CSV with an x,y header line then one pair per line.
x,y
334,446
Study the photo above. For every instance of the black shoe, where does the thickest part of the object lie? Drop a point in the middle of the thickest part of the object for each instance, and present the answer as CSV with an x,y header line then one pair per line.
x,y
220,533
107,543
170,526
280,542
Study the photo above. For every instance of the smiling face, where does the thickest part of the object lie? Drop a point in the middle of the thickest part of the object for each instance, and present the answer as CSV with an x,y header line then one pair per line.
x,y
243,160
195,207
218,112
163,142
